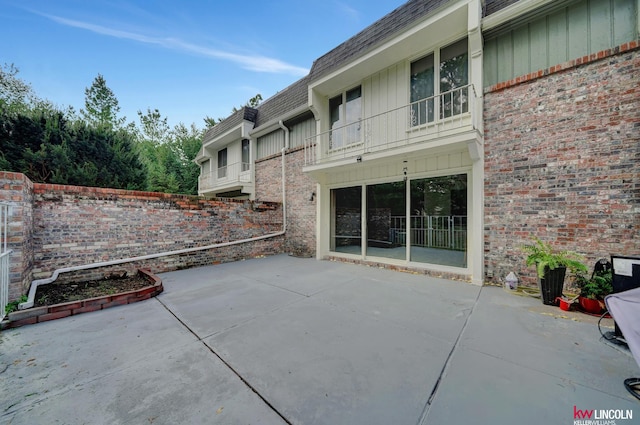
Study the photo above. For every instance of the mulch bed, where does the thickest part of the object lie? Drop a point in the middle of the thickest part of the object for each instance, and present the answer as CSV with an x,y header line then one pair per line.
x,y
56,293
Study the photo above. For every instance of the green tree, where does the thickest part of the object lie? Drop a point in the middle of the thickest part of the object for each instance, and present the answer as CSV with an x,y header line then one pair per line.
x,y
15,94
186,143
209,122
251,103
101,106
49,147
155,152
167,153
154,128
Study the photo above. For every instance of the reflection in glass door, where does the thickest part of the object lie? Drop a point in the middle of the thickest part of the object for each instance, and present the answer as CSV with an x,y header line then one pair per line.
x,y
346,220
438,221
386,220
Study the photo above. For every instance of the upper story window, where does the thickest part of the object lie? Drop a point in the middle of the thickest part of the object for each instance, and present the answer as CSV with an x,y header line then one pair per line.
x,y
246,161
345,112
422,90
454,79
222,163
440,91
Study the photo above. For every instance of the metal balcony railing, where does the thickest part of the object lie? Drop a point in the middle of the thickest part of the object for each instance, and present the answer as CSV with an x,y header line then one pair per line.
x,y
239,172
456,110
431,231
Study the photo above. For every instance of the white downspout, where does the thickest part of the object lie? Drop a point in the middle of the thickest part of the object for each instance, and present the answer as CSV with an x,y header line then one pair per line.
x,y
284,175
34,284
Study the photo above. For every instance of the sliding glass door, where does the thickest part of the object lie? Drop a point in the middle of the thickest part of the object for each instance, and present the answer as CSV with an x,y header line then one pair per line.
x,y
438,220
429,227
346,220
386,220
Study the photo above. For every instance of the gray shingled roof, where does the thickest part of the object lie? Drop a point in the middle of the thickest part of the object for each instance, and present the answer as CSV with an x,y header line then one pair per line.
x,y
492,6
374,34
244,113
294,96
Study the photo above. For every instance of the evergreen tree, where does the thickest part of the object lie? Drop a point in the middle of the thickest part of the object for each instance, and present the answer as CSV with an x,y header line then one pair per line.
x,y
186,145
101,105
154,127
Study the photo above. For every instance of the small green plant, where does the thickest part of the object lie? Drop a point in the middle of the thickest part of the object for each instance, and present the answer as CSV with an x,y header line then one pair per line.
x,y
597,287
543,255
13,305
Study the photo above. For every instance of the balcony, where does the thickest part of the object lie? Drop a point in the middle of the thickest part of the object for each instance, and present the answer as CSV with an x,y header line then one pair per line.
x,y
451,117
235,177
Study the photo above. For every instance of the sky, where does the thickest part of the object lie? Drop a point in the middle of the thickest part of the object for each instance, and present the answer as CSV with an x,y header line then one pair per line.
x,y
189,59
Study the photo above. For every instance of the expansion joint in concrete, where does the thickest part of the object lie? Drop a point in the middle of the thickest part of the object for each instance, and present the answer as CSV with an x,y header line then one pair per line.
x,y
235,372
425,412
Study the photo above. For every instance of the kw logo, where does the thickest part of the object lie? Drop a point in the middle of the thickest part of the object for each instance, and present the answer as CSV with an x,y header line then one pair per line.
x,y
582,414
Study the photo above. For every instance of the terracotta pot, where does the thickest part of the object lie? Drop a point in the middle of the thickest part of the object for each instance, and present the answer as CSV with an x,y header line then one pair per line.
x,y
590,306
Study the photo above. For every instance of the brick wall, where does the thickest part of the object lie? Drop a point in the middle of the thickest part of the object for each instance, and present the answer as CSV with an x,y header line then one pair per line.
x,y
74,225
17,190
562,155
301,209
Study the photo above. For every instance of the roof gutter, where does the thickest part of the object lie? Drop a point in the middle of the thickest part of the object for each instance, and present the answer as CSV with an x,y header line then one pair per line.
x,y
271,125
512,12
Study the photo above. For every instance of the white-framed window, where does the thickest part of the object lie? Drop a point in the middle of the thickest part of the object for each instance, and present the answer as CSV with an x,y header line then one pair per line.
x,y
454,79
222,163
422,90
440,91
246,157
345,111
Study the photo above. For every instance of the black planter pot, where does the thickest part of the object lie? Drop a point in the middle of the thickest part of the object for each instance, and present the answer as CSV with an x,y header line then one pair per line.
x,y
551,285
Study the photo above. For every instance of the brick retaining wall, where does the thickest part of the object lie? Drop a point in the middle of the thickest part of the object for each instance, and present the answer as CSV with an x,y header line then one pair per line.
x,y
74,225
562,155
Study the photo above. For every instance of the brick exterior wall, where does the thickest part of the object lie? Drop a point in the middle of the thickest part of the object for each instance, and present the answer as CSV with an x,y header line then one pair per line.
x,y
63,226
17,190
562,155
301,210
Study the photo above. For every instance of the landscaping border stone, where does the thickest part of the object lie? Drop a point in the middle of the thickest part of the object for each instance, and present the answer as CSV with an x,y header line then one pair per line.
x,y
57,311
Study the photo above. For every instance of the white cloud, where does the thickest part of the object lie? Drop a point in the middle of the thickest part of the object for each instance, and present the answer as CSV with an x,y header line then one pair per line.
x,y
347,10
255,63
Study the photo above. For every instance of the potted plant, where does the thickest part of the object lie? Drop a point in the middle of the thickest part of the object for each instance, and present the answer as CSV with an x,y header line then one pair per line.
x,y
593,290
551,268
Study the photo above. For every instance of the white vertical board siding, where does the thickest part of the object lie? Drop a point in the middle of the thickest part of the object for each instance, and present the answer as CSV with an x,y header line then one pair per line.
x,y
270,144
393,170
580,29
234,153
382,92
624,21
301,131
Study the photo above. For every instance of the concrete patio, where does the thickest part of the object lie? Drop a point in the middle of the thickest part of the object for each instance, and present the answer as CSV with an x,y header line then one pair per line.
x,y
285,340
